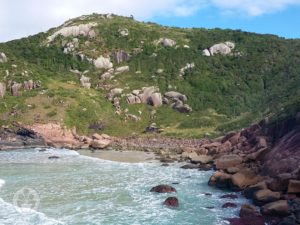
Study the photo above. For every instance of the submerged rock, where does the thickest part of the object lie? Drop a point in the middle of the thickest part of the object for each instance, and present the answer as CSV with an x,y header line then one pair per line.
x,y
53,157
171,202
163,189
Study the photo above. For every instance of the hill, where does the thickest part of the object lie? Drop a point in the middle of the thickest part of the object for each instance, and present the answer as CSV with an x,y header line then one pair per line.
x,y
117,75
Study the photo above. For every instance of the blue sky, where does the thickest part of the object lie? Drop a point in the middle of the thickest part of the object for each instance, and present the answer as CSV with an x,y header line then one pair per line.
x,y
281,17
285,22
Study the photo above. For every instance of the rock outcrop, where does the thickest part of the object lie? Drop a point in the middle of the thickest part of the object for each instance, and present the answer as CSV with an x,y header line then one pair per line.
x,y
100,141
221,48
3,58
121,56
75,31
103,63
2,89
15,89
166,42
122,69
85,82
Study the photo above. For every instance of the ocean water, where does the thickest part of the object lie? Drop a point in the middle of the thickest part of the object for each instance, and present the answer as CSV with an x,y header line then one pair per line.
x,y
80,190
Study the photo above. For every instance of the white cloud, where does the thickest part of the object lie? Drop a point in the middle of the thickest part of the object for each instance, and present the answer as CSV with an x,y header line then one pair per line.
x,y
21,18
253,7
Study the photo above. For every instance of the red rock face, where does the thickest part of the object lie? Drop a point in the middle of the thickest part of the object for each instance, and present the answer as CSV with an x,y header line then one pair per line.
x,y
285,156
171,202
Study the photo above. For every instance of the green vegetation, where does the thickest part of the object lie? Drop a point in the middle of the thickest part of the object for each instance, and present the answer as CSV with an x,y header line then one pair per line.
x,y
225,92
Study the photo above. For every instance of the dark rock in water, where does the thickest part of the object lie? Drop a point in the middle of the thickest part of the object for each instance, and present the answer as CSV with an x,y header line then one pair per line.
x,y
175,183
166,160
190,166
163,189
42,150
53,157
171,202
208,194
229,205
209,207
205,167
165,164
230,196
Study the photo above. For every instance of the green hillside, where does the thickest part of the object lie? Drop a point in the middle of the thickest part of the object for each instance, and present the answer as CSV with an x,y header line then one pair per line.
x,y
259,78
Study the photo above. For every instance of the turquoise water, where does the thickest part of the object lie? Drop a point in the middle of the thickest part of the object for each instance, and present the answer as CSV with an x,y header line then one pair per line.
x,y
76,189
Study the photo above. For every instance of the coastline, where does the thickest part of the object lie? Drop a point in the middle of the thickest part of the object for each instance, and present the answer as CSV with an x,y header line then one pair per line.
x,y
262,162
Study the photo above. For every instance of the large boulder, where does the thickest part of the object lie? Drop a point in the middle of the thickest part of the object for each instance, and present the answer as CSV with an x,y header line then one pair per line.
x,y
222,48
3,58
15,89
203,159
29,85
146,93
249,211
277,208
175,95
122,69
243,179
294,187
220,180
249,191
227,161
103,63
82,29
155,100
121,56
2,89
265,196
163,189
171,202
114,92
206,52
85,82
166,42
100,141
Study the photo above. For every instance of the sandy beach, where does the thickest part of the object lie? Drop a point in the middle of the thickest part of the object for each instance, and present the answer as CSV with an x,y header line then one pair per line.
x,y
120,156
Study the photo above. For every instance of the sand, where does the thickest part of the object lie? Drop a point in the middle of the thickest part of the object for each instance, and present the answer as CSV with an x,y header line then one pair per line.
x,y
120,156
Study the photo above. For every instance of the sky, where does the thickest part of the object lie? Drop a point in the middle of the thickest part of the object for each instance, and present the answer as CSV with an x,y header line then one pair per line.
x,y
20,18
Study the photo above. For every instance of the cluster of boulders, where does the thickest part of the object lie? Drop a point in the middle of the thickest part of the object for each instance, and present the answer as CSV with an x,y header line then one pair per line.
x,y
152,96
60,137
221,48
16,87
3,58
17,137
172,202
75,31
166,42
262,161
